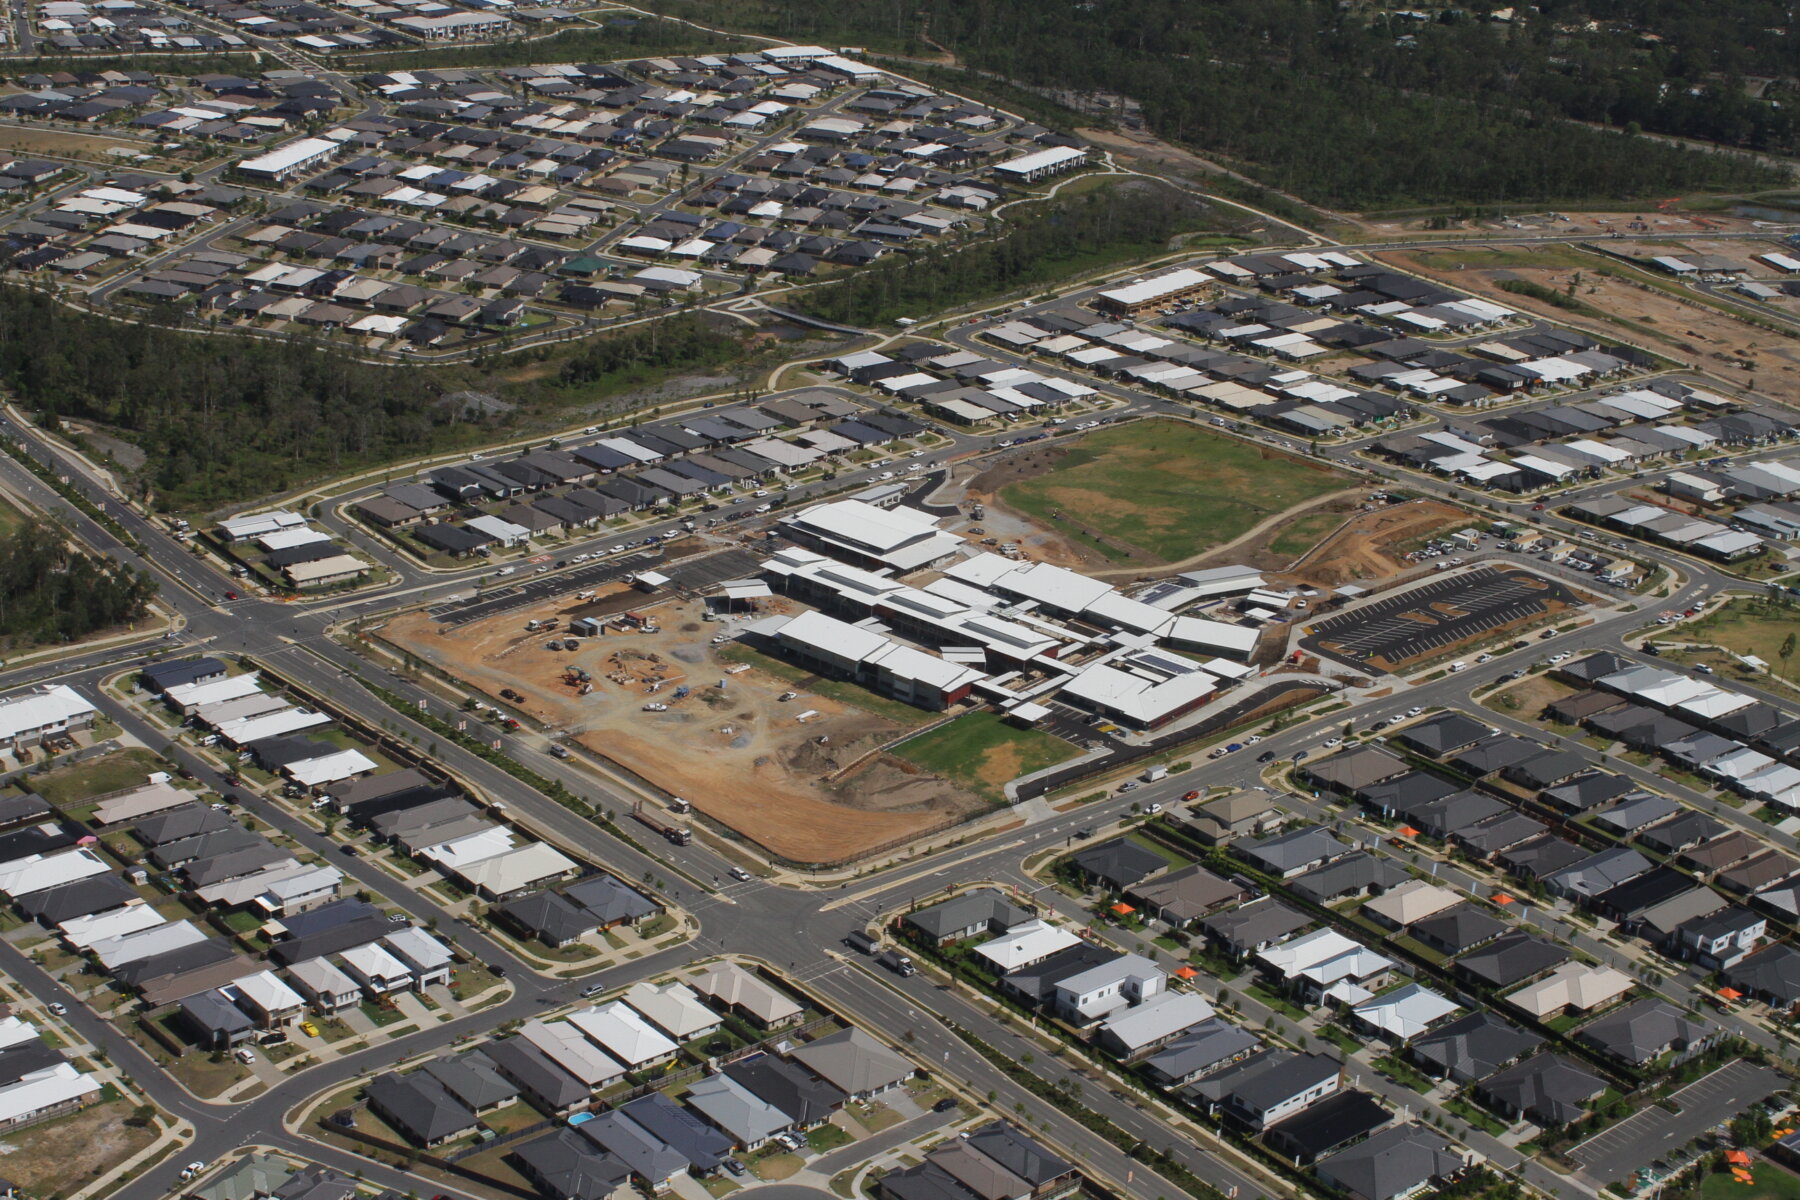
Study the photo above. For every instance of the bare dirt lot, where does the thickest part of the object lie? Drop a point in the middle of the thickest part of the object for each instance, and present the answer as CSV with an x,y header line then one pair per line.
x,y
808,791
65,1154
1373,545
1689,333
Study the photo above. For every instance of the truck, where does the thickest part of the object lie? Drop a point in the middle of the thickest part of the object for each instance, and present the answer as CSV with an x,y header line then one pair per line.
x,y
680,835
1152,774
897,962
862,942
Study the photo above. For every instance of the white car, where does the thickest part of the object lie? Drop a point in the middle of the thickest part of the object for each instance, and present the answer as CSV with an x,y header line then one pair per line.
x,y
917,454
1415,710
193,1168
1331,742
618,550
760,492
886,475
57,1008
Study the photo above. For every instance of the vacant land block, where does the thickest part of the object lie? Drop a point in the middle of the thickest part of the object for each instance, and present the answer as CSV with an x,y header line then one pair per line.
x,y
983,752
68,1153
1165,491
1762,626
799,776
96,777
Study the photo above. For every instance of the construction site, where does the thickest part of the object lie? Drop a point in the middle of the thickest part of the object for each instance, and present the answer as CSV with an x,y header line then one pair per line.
x,y
795,765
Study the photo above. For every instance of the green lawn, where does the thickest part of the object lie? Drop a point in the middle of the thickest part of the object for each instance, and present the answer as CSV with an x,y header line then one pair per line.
x,y
1772,1183
983,752
1301,535
96,777
1758,625
1168,488
832,689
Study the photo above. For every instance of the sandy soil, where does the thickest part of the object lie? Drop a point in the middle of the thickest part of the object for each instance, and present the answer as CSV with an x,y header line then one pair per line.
x,y
1370,547
1692,334
736,752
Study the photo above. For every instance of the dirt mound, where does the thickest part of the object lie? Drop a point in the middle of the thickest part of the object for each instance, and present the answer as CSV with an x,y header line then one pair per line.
x,y
1374,545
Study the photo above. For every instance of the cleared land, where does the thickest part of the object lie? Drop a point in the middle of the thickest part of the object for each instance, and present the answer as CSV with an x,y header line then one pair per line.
x,y
1373,545
68,1153
984,753
1156,492
811,791
1632,304
96,777
1759,625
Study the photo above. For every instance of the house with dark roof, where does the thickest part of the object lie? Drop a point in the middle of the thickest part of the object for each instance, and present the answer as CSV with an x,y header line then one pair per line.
x,y
566,1166
1493,753
1586,792
1331,1124
1458,929
1643,1032
1720,939
1396,1163
419,1108
1545,769
1050,1176
1251,928
1203,1049
1358,873
1510,960
969,914
807,1100
159,677
1184,896
474,1080
1289,854
1546,1089
214,1022
1472,1047
1117,864
1280,1087
1352,770
1770,976
1438,735
546,1086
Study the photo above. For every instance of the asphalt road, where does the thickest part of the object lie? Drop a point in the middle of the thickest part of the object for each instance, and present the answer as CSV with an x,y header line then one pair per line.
x,y
795,928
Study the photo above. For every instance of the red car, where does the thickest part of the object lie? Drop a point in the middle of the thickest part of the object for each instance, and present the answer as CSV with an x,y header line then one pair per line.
x,y
1191,796
231,595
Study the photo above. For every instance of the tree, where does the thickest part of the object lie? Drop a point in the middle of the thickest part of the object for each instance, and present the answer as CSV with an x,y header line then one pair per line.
x,y
1786,652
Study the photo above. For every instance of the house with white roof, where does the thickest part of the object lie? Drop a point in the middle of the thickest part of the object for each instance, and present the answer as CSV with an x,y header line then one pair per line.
x,y
264,997
1101,990
1159,1020
326,988
1404,1013
674,1009
1025,944
1325,965
617,1029
376,969
427,958
570,1050
26,720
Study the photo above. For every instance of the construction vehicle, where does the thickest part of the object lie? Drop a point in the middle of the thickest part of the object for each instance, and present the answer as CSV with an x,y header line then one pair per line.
x,y
680,835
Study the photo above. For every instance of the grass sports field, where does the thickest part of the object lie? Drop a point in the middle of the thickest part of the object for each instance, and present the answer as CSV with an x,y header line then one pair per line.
x,y
982,752
1171,489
